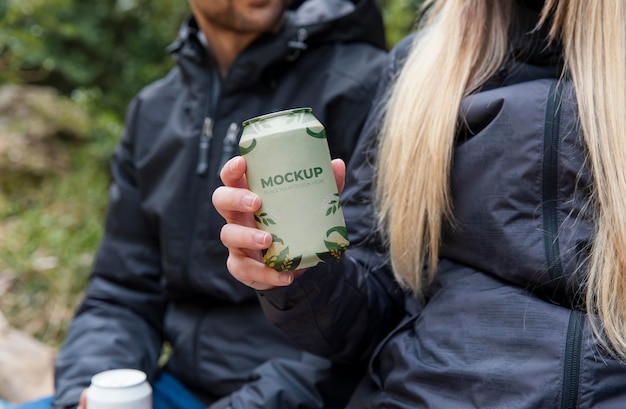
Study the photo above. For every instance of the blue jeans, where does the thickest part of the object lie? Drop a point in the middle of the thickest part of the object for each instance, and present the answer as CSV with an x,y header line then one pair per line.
x,y
167,393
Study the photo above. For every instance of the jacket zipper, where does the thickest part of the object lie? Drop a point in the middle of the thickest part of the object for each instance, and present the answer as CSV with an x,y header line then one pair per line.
x,y
207,129
203,148
571,366
550,183
194,196
202,166
228,147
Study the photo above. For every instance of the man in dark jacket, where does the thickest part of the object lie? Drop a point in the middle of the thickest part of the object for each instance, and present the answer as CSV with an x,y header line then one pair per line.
x,y
160,277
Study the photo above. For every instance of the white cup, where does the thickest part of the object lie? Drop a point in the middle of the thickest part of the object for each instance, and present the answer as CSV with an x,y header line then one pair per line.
x,y
119,389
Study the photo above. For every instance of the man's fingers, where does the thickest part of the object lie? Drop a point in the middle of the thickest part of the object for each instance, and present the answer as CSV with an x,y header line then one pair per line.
x,y
235,236
83,400
244,241
339,169
254,273
245,261
230,202
234,199
234,173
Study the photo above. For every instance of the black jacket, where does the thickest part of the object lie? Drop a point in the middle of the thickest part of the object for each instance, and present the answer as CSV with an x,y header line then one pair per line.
x,y
503,325
160,274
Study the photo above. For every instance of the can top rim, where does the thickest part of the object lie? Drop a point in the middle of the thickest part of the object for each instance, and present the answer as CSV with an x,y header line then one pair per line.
x,y
277,113
119,378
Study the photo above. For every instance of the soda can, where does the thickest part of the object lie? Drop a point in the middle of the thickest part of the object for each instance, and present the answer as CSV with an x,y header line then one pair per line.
x,y
119,389
289,167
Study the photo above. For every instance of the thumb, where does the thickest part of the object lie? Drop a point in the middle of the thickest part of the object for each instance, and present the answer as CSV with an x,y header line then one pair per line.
x,y
83,400
339,169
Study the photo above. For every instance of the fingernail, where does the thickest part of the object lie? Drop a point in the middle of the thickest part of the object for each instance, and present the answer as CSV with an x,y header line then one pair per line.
x,y
261,238
248,200
286,278
232,166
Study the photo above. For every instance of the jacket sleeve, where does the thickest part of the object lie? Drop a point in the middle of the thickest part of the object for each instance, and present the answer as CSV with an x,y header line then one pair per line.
x,y
310,382
342,310
118,323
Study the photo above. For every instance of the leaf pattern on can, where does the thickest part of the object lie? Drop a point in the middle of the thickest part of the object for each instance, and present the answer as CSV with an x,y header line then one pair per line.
x,y
259,125
263,218
320,135
277,256
297,116
245,150
337,243
332,204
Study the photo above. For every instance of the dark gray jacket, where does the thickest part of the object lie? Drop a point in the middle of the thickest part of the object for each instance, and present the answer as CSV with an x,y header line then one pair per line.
x,y
503,325
160,274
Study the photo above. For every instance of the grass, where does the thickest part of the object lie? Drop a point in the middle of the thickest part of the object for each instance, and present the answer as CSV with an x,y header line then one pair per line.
x,y
50,228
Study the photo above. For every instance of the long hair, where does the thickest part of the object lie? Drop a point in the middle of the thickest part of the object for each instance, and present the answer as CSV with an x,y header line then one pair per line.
x,y
461,44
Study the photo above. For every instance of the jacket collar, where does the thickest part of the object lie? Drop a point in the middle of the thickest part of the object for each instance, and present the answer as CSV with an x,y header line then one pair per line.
x,y
306,24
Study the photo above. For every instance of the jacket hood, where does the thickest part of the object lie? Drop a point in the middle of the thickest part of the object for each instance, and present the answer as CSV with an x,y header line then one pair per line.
x,y
306,24
337,20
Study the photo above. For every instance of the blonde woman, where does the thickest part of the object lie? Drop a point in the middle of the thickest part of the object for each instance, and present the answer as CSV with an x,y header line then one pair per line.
x,y
486,213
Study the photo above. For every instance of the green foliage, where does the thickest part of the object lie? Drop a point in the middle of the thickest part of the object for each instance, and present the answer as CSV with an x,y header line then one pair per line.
x,y
399,17
99,54
107,49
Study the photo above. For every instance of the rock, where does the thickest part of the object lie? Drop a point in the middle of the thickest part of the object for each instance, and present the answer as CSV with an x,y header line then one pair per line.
x,y
34,122
26,365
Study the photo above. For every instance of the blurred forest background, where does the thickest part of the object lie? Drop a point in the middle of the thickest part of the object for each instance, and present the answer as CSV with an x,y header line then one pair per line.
x,y
68,69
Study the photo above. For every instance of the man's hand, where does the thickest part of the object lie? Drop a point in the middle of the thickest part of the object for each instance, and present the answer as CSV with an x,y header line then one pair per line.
x,y
83,400
240,235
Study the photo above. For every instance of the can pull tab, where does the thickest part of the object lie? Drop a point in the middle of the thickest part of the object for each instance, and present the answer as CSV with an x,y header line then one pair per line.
x,y
205,143
230,142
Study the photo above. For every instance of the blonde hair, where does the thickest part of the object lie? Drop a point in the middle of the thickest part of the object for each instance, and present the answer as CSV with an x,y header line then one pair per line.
x,y
459,46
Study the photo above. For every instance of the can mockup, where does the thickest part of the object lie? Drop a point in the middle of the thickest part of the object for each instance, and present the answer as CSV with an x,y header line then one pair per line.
x,y
289,167
119,389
